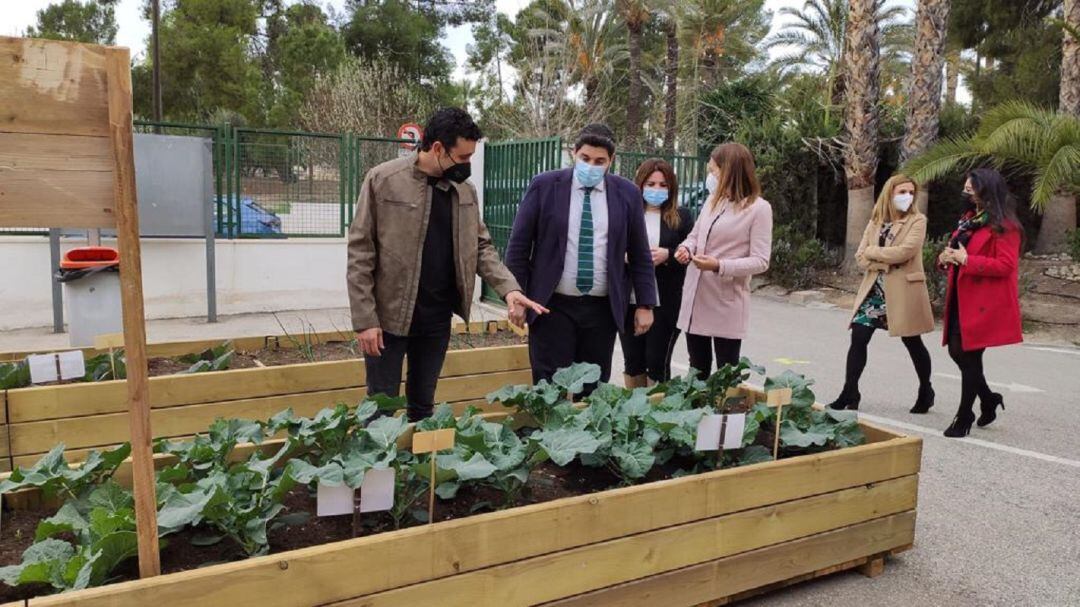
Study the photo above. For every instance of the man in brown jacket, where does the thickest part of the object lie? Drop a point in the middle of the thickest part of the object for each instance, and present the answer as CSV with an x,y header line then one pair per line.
x,y
415,248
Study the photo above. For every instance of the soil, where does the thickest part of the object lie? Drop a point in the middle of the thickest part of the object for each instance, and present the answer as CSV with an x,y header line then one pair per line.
x,y
274,357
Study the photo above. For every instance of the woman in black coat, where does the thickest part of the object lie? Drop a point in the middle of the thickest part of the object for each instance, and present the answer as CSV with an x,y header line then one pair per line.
x,y
648,356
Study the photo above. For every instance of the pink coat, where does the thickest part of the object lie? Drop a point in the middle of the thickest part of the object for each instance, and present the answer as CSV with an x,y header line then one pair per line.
x,y
717,304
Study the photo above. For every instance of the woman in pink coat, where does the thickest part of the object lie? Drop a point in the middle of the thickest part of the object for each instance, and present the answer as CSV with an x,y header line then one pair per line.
x,y
731,241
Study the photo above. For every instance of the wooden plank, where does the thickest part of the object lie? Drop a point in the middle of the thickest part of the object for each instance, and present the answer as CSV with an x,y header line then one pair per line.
x,y
118,80
742,575
38,437
564,574
328,573
54,87
54,196
55,402
27,152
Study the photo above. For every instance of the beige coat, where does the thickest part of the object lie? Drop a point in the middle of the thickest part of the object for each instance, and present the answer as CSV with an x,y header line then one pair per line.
x,y
386,246
907,302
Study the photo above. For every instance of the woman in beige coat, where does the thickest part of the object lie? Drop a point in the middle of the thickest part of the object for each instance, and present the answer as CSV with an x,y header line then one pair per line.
x,y
893,293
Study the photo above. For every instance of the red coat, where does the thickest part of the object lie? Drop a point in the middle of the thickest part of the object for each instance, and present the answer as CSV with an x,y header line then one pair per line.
x,y
988,290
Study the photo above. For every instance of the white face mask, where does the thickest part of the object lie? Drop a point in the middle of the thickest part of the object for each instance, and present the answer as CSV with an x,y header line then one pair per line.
x,y
711,184
902,202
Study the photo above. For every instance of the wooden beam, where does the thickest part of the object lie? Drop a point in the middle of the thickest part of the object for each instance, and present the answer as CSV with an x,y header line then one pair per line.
x,y
118,84
563,574
323,574
724,580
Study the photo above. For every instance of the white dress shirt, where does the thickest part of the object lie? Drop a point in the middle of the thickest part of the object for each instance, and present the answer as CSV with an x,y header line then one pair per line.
x,y
568,282
652,227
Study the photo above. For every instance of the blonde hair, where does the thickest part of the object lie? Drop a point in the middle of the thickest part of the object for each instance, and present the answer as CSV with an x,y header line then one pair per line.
x,y
737,181
884,211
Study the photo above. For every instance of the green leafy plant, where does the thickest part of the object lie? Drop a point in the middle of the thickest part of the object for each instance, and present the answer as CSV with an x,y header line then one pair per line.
x,y
14,375
1072,244
56,478
106,367
217,358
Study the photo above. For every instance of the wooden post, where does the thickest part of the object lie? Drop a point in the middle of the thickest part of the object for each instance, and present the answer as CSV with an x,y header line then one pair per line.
x,y
778,398
118,77
432,442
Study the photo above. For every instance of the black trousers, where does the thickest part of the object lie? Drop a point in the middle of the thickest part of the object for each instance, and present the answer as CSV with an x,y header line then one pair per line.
x,y
650,354
577,330
426,353
856,358
701,347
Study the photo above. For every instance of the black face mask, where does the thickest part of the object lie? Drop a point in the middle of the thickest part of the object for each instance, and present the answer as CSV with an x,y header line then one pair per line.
x,y
969,200
457,172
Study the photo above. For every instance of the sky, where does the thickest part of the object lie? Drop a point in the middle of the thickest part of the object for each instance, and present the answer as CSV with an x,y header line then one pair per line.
x,y
17,15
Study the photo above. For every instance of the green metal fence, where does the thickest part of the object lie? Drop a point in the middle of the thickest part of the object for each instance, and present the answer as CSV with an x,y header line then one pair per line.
x,y
508,168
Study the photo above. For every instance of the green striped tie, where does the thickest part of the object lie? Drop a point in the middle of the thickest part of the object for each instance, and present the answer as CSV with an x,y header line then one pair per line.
x,y
585,246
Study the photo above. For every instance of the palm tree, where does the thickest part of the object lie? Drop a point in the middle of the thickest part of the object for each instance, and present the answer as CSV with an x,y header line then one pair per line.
x,y
593,41
924,96
671,77
1070,60
815,37
1018,135
862,90
634,14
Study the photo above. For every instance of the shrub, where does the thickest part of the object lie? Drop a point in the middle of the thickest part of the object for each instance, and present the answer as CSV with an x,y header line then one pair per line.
x,y
1072,244
936,280
796,257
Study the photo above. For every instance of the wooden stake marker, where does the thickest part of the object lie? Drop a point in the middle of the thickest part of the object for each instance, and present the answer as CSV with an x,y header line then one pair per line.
x,y
778,398
432,442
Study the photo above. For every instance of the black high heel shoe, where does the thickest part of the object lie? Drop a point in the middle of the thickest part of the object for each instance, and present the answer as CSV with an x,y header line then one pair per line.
x,y
925,400
846,401
989,409
961,424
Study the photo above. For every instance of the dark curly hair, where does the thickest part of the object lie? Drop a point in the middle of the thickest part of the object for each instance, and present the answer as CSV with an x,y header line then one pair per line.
x,y
446,125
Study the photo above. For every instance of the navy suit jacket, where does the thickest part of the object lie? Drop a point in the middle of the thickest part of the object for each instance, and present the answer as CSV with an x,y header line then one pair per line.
x,y
537,248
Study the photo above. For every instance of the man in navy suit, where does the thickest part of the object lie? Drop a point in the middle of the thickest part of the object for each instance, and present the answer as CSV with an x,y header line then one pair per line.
x,y
577,247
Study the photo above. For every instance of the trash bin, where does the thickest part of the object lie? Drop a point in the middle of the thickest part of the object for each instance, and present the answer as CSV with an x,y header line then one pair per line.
x,y
91,280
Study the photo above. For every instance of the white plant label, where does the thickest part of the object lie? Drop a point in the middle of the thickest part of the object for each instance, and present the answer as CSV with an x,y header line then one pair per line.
x,y
42,368
334,500
711,427
377,490
733,432
708,433
72,364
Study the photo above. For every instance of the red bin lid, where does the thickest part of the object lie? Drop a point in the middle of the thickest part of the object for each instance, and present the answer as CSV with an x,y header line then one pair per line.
x,y
89,257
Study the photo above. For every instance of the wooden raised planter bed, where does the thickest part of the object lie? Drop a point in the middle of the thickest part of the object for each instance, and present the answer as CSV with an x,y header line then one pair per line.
x,y
94,415
703,539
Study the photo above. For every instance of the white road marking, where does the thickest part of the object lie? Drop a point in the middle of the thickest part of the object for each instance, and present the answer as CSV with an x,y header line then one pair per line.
x,y
1055,350
971,441
1011,387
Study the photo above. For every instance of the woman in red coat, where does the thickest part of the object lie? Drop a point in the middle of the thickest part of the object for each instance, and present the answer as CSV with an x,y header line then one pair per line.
x,y
982,306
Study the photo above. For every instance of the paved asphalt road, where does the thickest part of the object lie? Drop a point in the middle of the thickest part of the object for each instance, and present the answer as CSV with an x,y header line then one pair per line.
x,y
999,512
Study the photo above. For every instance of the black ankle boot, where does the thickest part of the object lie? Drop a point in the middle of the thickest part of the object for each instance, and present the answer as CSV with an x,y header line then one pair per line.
x,y
988,409
925,399
961,424
846,400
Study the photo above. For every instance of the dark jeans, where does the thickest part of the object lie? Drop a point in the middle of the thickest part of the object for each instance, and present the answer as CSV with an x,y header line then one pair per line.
x,y
650,354
426,354
577,330
701,347
856,358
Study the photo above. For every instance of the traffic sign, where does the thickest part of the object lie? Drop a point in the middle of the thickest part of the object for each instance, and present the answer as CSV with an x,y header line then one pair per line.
x,y
413,131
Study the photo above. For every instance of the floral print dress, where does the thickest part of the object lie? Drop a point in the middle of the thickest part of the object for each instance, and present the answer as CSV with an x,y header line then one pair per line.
x,y
871,311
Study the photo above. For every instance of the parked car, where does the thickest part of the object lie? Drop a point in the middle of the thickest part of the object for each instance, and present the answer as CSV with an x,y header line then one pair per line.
x,y
254,219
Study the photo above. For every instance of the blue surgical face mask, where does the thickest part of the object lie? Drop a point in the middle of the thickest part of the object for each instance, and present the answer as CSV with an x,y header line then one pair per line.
x,y
655,197
589,175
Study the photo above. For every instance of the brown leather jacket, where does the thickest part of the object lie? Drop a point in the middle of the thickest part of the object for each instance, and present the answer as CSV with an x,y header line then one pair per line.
x,y
386,243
